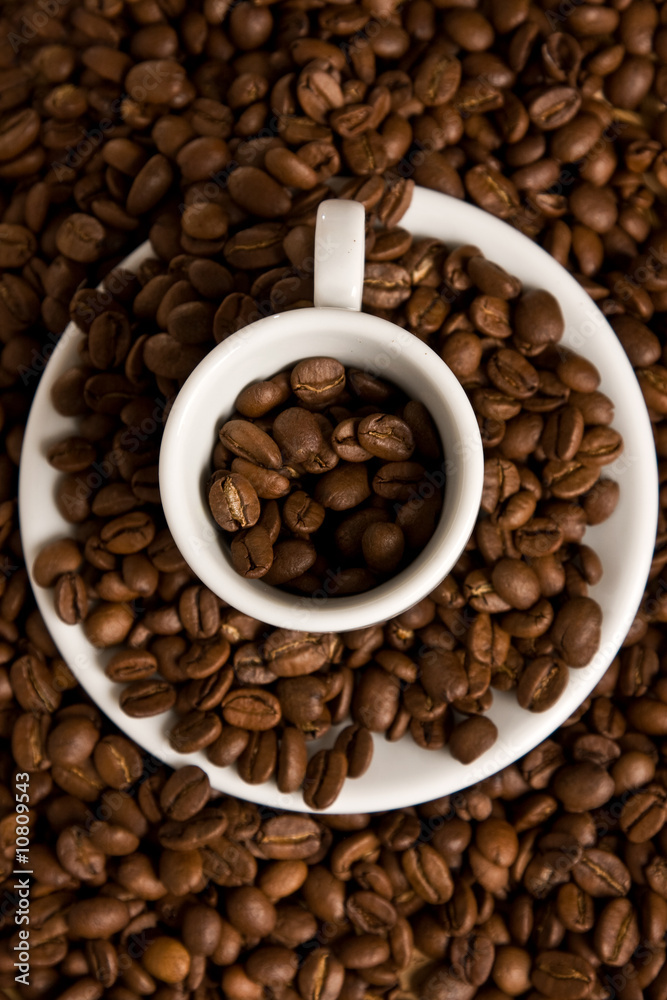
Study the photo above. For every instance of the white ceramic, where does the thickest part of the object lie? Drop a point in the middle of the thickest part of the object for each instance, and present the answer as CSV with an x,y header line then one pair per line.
x,y
401,773
270,345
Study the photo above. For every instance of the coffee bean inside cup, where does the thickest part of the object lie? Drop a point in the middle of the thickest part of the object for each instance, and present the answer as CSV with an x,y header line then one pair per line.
x,y
348,469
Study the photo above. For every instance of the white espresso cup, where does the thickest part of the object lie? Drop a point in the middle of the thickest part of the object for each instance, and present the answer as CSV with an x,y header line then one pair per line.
x,y
336,328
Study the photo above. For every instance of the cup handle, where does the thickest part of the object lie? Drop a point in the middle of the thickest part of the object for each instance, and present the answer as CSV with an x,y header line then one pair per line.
x,y
339,254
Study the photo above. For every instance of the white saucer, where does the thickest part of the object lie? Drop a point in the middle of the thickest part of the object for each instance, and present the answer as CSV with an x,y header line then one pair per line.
x,y
401,773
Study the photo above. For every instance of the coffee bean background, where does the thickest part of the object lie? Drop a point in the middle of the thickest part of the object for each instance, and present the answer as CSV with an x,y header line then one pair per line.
x,y
547,879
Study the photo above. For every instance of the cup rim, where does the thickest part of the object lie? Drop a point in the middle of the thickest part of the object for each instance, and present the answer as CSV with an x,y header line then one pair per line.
x,y
202,545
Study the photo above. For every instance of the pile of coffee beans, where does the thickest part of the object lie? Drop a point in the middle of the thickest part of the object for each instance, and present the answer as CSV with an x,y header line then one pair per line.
x,y
350,474
189,121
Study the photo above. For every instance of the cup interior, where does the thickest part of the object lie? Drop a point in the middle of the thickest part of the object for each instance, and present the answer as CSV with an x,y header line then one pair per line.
x,y
258,352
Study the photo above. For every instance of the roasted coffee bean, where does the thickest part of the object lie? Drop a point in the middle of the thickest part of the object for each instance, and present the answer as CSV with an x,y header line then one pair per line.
x,y
18,132
427,873
28,741
260,397
575,908
247,441
97,918
167,959
437,79
72,455
207,825
318,381
185,793
600,446
109,340
462,350
290,169
268,484
297,434
538,320
640,343
399,480
255,190
72,741
584,781
129,533
321,976
324,778
233,501
383,546
376,699
302,699
472,738
194,731
258,760
443,675
343,488
81,238
302,515
563,434
250,911
147,697
291,560
17,245
252,553
576,630
539,537
356,742
562,973
251,708
54,559
492,191
199,611
292,760
512,374
32,684
568,480
492,279
617,932
288,838
516,583
542,683
386,437
118,761
108,624
290,653
644,815
363,951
